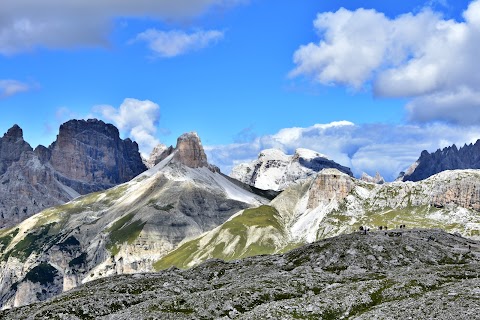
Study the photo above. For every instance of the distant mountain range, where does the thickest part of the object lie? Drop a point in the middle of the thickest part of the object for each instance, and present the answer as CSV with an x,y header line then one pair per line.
x,y
183,211
450,158
275,170
88,156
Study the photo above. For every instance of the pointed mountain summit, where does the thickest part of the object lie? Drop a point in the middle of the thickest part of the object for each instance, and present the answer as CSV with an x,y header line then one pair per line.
x,y
189,151
378,179
121,230
158,153
12,146
276,171
15,133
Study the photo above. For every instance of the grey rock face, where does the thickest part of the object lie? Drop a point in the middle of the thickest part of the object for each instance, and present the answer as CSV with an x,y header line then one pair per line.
x,y
451,158
27,187
418,274
159,153
88,156
12,146
189,151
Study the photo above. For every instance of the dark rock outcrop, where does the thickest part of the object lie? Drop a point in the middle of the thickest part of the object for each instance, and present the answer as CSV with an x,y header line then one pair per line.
x,y
450,158
90,156
87,156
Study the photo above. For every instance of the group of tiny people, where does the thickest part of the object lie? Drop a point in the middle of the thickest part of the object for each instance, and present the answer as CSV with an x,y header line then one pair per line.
x,y
364,230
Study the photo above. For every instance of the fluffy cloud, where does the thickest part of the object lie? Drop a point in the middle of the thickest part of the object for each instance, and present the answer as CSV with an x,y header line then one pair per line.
x,y
26,24
364,148
424,57
135,118
173,43
11,87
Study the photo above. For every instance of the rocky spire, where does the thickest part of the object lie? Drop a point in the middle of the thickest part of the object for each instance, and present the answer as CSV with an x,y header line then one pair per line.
x,y
189,151
12,146
14,133
158,153
378,179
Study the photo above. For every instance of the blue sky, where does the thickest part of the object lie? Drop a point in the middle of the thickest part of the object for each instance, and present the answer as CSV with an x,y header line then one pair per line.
x,y
368,83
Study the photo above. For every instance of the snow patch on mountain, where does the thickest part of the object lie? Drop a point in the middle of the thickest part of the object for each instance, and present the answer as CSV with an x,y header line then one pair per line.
x,y
274,170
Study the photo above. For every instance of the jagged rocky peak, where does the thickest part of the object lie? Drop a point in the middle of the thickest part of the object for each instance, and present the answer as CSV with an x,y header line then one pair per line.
x,y
449,158
15,133
12,146
159,153
276,171
189,151
378,179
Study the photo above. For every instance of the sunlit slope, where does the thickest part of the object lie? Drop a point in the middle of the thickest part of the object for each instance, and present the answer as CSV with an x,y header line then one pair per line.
x,y
122,230
333,203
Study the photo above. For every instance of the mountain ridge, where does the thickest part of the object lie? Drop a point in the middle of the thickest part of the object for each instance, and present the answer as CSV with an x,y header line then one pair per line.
x,y
121,230
449,158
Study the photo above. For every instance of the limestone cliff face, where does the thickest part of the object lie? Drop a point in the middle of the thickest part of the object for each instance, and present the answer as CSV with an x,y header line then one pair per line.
x,y
27,187
189,151
87,156
450,158
90,156
330,185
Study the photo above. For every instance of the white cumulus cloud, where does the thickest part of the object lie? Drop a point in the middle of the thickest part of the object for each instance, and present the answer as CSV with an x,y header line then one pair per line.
x,y
169,44
27,24
10,87
136,118
424,57
388,149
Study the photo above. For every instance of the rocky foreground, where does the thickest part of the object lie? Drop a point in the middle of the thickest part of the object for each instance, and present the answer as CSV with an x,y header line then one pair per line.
x,y
395,274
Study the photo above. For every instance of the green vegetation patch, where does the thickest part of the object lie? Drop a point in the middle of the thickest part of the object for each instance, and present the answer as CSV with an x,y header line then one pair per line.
x,y
179,257
6,239
124,230
114,194
261,217
32,242
44,274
